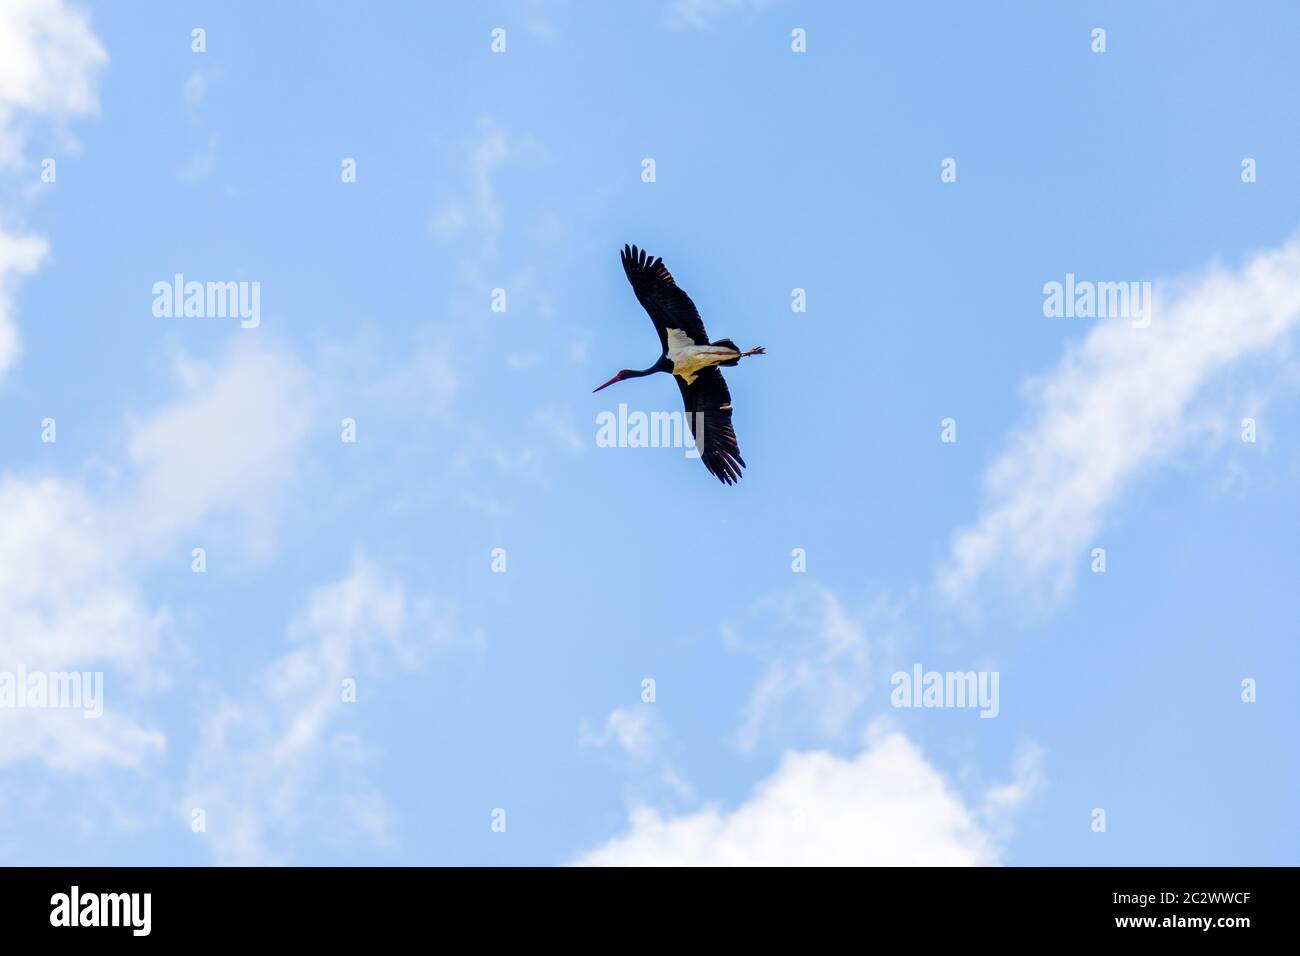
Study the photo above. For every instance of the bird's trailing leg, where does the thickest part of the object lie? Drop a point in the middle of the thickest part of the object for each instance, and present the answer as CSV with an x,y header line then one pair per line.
x,y
736,360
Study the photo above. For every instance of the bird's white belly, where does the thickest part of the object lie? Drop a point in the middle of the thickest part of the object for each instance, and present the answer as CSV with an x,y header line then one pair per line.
x,y
688,358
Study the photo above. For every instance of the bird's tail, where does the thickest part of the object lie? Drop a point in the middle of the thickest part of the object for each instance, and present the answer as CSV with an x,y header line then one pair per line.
x,y
728,344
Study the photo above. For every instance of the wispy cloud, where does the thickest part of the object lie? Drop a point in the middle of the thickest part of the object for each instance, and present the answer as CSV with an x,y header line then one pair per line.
x,y
631,729
637,733
202,161
560,428
19,256
700,14
819,662
195,89
479,211
1001,802
262,754
1118,403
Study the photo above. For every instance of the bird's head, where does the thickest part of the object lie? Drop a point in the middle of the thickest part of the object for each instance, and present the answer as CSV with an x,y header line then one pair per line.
x,y
624,373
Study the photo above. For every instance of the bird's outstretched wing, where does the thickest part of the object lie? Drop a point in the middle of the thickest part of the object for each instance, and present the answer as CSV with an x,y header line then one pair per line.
x,y
708,415
669,306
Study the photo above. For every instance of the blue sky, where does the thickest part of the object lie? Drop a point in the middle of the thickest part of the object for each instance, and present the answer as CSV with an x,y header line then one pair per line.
x,y
771,738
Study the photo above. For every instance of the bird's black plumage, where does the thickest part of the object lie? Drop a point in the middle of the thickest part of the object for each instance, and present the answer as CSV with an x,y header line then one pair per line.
x,y
669,307
707,399
708,413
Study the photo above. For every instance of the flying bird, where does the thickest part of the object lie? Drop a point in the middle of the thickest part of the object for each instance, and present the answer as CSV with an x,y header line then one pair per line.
x,y
691,359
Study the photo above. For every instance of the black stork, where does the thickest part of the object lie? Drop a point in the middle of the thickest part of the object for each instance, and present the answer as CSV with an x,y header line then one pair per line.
x,y
691,358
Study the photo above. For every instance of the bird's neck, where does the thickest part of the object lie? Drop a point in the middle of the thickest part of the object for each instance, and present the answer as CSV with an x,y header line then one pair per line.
x,y
663,365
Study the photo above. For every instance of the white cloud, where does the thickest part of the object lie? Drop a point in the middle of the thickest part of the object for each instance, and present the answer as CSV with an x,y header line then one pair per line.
x,y
885,806
818,661
202,161
67,603
638,733
257,770
704,13
426,383
481,211
367,812
19,256
478,211
65,741
230,443
559,427
1118,403
70,560
195,90
65,599
522,361
631,729
1001,802
49,64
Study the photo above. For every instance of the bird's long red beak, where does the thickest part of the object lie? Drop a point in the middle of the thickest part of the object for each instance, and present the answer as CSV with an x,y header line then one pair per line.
x,y
608,384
